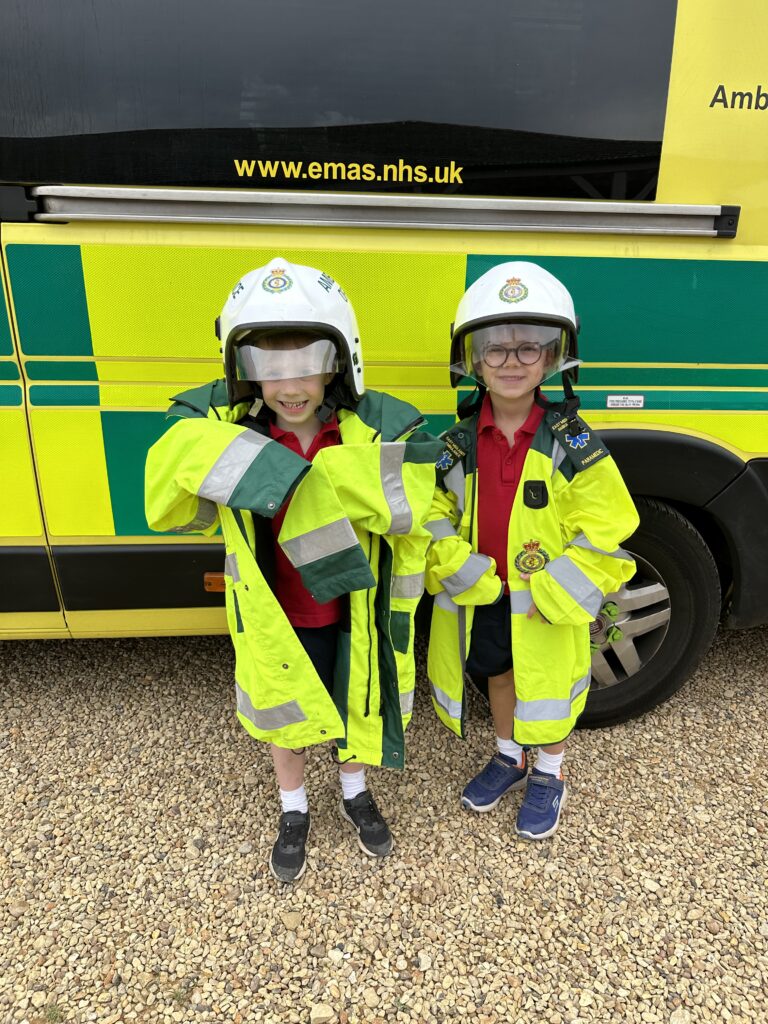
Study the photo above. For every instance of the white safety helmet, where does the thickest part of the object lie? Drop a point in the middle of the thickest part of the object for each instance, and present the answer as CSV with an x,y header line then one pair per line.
x,y
530,303
284,296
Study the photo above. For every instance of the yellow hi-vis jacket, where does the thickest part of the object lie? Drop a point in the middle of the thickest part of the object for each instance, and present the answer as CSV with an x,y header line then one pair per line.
x,y
570,514
354,526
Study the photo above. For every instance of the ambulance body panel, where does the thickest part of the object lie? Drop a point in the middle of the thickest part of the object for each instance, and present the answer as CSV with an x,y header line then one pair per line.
x,y
112,285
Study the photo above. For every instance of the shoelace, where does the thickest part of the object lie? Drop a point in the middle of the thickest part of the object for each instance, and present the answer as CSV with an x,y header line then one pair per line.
x,y
292,832
537,794
369,812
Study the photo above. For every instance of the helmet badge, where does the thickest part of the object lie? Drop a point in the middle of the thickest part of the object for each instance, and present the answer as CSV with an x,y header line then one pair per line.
x,y
277,282
513,291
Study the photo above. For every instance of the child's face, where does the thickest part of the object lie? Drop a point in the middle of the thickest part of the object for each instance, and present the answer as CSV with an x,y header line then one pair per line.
x,y
293,399
517,375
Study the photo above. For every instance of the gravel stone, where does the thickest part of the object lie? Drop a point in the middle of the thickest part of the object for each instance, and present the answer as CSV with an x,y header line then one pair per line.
x,y
321,1014
137,819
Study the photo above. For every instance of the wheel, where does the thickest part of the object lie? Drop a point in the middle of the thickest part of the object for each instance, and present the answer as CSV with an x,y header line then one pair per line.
x,y
667,613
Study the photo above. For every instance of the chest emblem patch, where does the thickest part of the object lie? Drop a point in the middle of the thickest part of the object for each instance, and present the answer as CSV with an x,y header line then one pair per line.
x,y
445,461
532,558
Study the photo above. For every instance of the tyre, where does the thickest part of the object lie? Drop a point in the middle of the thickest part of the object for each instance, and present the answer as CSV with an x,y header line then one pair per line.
x,y
667,613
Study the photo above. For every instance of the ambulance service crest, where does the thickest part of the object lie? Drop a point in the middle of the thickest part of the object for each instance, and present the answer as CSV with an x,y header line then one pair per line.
x,y
277,282
513,291
532,558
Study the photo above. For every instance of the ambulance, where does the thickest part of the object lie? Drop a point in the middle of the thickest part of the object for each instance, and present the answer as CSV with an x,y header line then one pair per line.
x,y
150,154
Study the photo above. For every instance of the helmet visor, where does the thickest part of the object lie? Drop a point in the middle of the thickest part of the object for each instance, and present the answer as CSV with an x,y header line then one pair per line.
x,y
283,363
528,344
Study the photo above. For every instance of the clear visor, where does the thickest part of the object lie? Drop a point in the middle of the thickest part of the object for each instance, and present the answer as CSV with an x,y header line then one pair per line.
x,y
541,347
260,364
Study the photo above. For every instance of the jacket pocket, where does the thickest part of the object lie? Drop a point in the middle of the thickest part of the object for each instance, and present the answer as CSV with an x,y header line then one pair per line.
x,y
400,631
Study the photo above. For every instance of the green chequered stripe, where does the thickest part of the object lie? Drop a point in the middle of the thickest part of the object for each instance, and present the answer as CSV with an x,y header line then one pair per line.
x,y
6,342
8,370
49,369
657,311
128,436
49,299
66,394
10,395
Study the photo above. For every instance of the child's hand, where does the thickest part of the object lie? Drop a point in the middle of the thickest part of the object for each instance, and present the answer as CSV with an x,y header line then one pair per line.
x,y
533,610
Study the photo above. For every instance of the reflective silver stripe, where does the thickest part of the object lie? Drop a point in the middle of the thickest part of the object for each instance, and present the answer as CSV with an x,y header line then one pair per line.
x,y
558,454
581,541
451,707
411,585
551,710
462,619
577,584
268,719
469,573
520,601
392,455
230,567
443,601
232,465
406,702
454,480
319,543
206,516
441,528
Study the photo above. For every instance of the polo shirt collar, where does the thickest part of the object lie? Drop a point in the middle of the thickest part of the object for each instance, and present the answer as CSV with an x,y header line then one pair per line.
x,y
329,428
487,422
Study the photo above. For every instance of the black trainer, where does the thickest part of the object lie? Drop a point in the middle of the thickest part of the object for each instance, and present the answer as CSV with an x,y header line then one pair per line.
x,y
289,856
373,833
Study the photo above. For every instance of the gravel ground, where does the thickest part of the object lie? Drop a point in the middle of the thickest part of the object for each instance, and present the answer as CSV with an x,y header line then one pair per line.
x,y
137,818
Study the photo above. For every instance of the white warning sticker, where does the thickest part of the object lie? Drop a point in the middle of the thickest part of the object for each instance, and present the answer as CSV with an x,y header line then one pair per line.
x,y
625,401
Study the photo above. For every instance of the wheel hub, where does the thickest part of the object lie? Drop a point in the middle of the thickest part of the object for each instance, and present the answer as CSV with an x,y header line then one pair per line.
x,y
642,612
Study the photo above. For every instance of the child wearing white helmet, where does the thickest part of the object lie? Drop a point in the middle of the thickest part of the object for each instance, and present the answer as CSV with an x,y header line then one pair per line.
x,y
527,523
321,503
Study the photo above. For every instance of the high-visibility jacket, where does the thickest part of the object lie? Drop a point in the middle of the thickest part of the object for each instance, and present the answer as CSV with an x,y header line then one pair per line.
x,y
569,517
354,527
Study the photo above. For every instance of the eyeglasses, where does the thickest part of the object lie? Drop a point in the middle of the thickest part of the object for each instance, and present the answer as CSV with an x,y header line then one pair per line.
x,y
528,354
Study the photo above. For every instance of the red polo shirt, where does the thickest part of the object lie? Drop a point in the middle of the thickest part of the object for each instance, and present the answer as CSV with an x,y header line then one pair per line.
x,y
499,468
296,601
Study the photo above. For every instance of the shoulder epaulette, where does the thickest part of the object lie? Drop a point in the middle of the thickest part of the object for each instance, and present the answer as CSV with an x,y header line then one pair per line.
x,y
456,443
581,445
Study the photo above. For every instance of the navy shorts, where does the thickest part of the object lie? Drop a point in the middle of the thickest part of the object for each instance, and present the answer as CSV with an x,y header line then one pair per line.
x,y
320,644
490,649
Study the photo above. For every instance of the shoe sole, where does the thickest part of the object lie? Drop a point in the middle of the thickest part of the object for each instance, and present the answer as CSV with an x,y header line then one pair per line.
x,y
363,847
551,831
302,869
467,804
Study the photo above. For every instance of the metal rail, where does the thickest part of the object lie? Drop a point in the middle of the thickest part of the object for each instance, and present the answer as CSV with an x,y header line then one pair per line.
x,y
57,203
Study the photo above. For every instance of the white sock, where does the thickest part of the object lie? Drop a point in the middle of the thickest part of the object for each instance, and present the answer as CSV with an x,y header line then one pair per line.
x,y
549,763
352,783
294,799
510,749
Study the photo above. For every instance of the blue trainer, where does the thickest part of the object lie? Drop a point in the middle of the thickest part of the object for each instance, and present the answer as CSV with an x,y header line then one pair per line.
x,y
539,813
500,776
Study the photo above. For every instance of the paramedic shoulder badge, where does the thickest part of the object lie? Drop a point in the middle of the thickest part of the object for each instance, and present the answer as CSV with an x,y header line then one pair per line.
x,y
451,453
581,446
513,291
532,558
